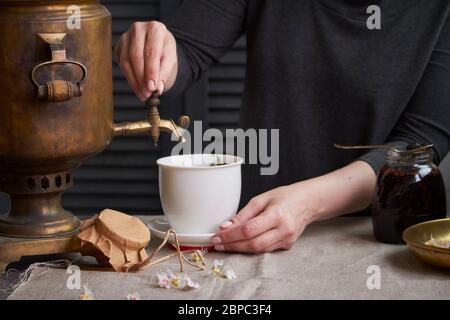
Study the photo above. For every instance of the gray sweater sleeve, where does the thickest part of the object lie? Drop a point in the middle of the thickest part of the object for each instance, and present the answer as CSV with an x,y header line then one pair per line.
x,y
204,30
427,116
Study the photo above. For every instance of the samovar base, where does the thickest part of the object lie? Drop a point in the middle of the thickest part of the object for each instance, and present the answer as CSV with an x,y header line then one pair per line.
x,y
36,210
13,249
64,224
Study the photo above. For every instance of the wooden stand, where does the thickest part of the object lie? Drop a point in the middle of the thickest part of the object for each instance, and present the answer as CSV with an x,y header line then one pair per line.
x,y
12,249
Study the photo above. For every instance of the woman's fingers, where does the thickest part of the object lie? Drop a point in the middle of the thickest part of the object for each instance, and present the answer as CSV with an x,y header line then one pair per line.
x,y
169,65
252,209
276,246
271,221
147,56
246,230
153,53
123,60
265,242
138,34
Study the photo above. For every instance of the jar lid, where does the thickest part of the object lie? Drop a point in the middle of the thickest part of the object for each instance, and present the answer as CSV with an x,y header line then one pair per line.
x,y
115,239
124,229
411,153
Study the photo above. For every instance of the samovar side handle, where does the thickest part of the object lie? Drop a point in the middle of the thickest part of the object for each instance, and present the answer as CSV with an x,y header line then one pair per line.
x,y
58,90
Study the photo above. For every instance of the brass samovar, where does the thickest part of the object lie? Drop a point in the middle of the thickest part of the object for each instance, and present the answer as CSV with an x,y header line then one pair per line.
x,y
56,110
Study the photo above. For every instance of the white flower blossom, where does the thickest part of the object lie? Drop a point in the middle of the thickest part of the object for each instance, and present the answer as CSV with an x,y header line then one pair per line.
x,y
229,273
221,270
133,296
163,280
169,280
190,284
87,293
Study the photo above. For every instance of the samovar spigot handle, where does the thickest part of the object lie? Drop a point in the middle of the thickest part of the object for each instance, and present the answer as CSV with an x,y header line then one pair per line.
x,y
154,124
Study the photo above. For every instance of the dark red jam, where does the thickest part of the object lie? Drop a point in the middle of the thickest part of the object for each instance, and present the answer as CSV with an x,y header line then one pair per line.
x,y
409,190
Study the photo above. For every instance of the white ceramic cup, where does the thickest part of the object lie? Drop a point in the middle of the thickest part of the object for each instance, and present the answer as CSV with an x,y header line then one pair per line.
x,y
197,197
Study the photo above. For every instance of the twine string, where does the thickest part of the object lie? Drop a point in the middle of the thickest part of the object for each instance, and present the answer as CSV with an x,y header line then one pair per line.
x,y
181,255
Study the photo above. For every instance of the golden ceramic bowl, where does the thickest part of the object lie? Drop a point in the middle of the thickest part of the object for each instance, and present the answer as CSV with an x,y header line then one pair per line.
x,y
417,235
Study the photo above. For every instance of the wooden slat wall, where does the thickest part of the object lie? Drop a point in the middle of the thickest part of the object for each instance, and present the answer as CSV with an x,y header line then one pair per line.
x,y
225,82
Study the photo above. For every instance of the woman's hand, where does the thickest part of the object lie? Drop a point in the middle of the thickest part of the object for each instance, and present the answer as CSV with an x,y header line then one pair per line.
x,y
271,221
147,55
275,219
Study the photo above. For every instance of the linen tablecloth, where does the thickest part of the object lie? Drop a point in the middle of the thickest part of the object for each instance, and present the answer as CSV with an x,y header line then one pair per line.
x,y
331,260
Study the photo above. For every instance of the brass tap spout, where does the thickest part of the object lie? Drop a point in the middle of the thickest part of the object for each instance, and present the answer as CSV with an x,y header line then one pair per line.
x,y
131,128
177,130
154,124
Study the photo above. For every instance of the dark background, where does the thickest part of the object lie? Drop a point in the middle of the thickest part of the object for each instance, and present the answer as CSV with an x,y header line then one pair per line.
x,y
124,177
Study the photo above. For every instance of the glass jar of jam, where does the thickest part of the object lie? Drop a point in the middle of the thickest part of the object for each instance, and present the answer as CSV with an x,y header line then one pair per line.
x,y
409,190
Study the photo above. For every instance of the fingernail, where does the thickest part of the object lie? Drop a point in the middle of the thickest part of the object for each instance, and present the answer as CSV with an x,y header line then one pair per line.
x,y
216,240
219,247
161,88
226,224
151,86
147,93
